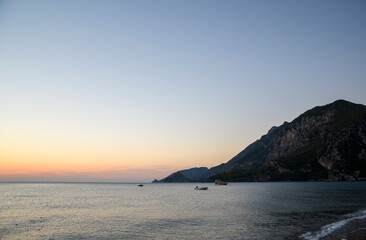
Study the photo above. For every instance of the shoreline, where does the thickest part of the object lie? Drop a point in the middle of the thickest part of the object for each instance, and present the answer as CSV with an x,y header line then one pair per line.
x,y
353,230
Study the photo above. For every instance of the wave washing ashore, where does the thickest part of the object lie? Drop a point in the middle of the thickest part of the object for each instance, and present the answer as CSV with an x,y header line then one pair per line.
x,y
352,227
253,211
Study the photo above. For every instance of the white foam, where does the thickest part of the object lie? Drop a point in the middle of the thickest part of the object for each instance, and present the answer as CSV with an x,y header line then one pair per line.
x,y
328,229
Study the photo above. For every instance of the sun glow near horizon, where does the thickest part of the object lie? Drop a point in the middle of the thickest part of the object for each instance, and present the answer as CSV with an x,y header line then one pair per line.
x,y
58,142
66,154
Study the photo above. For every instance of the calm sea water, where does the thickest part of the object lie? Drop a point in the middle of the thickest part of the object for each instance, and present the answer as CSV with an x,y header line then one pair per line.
x,y
176,211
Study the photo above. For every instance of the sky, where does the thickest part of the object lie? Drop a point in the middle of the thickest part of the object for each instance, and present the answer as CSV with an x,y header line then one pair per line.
x,y
135,90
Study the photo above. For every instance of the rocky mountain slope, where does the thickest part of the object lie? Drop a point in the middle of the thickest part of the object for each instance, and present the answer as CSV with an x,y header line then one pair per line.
x,y
324,143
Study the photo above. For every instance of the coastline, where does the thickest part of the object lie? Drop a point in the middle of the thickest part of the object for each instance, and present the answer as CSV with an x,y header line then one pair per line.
x,y
353,227
354,230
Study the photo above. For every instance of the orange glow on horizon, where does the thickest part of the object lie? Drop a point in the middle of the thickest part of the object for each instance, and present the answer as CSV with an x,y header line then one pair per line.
x,y
38,151
25,158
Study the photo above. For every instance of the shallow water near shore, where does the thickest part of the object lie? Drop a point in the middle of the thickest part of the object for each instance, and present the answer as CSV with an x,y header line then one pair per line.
x,y
285,210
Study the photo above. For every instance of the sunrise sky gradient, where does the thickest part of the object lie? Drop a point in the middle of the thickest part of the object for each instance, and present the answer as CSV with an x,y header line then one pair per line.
x,y
135,90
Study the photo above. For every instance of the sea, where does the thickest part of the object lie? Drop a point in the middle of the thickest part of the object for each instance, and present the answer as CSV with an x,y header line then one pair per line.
x,y
271,210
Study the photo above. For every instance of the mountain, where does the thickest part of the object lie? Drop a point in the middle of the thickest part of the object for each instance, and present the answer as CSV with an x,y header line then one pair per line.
x,y
174,177
188,175
324,143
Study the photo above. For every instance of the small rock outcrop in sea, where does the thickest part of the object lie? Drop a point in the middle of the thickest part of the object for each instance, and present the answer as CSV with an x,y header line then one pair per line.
x,y
324,143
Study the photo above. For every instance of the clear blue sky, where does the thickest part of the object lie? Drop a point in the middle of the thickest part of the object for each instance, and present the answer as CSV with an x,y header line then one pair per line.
x,y
155,86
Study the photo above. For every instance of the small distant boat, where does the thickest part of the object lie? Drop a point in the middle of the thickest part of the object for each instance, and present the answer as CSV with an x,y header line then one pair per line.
x,y
140,185
219,182
200,188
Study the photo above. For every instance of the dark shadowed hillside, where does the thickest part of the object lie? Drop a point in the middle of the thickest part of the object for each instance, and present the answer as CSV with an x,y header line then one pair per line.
x,y
324,143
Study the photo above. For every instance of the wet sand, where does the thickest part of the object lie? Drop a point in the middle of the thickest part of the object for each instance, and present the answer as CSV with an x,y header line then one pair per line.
x,y
354,230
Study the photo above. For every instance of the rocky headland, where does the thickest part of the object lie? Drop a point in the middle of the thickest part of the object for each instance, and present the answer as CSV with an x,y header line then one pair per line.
x,y
324,143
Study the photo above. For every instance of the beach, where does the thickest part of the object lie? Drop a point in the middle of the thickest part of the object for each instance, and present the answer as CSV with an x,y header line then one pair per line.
x,y
351,228
354,230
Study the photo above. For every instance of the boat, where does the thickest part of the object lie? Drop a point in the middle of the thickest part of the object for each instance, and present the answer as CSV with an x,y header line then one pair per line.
x,y
200,188
140,185
219,182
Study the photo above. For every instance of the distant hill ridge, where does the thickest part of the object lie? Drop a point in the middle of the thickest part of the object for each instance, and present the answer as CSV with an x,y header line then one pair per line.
x,y
324,143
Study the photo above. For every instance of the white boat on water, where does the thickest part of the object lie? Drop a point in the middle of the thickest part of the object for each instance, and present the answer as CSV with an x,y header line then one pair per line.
x,y
200,188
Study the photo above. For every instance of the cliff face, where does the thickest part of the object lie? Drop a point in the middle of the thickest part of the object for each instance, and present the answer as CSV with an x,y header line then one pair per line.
x,y
324,143
327,142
